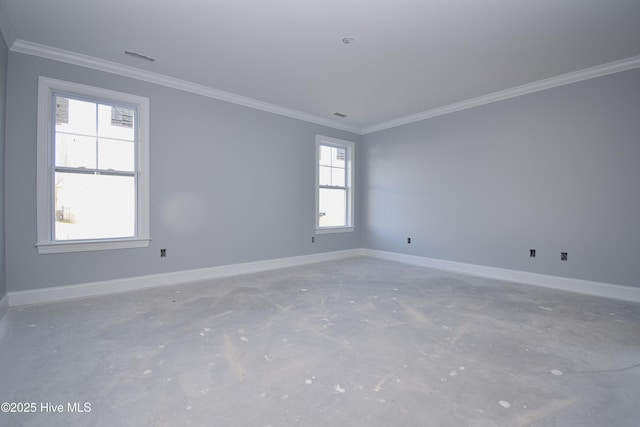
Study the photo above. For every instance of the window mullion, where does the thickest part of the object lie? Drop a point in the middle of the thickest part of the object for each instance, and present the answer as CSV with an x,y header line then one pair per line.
x,y
96,134
83,171
91,171
111,172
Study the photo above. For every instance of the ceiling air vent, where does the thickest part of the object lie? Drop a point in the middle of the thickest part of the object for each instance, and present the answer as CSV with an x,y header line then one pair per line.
x,y
139,56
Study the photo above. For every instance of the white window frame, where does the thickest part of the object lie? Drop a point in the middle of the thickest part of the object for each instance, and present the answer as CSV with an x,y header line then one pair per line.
x,y
349,170
45,168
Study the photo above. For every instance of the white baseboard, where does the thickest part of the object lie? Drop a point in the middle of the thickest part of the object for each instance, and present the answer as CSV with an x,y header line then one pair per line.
x,y
4,307
60,293
607,290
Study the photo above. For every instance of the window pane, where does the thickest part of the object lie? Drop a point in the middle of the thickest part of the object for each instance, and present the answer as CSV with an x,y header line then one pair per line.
x,y
75,151
74,116
325,175
116,122
94,206
116,154
337,177
333,208
325,155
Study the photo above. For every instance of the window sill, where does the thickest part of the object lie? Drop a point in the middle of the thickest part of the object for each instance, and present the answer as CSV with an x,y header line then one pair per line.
x,y
91,245
328,230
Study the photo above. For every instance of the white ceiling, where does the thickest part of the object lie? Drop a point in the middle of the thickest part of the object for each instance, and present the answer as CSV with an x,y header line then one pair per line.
x,y
409,56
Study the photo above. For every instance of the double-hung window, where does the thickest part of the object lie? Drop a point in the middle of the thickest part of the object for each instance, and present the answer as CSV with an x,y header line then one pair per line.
x,y
92,168
334,185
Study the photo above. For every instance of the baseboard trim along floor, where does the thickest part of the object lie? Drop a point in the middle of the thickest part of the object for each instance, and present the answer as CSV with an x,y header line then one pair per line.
x,y
60,293
4,306
585,287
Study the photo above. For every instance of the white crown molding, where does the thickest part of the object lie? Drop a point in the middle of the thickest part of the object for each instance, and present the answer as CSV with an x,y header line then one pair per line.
x,y
47,52
60,293
35,49
6,25
585,287
564,79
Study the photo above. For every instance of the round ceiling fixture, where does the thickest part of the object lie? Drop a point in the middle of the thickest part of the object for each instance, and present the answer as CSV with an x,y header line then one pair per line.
x,y
348,40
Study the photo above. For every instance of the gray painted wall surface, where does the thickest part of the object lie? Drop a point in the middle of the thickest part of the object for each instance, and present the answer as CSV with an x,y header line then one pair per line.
x,y
557,170
4,56
229,184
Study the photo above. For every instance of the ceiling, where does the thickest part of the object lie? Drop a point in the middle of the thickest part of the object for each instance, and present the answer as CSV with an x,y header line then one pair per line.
x,y
409,56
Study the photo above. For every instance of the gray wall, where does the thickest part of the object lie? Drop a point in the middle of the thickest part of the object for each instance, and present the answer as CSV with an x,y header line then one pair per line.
x,y
4,55
229,184
557,170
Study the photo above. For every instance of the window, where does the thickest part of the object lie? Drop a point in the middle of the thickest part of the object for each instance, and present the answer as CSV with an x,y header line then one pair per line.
x,y
93,185
334,181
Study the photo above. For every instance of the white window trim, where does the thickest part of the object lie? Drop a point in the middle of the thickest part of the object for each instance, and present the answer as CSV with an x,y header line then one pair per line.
x,y
45,243
349,162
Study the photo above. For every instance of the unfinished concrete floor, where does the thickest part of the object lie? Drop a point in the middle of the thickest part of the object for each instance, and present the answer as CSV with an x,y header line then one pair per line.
x,y
356,342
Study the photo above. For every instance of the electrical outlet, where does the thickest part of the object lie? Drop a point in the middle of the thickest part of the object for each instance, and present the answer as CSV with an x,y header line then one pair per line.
x,y
163,253
408,240
563,256
313,239
532,253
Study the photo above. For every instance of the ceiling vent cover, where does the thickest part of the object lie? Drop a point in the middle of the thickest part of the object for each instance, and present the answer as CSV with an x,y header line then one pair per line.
x,y
139,56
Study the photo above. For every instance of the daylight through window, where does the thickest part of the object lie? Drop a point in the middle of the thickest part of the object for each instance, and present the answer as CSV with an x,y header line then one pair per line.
x,y
92,179
334,189
94,170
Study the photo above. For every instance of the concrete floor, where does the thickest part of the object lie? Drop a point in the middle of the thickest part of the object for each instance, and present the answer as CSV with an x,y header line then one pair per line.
x,y
357,342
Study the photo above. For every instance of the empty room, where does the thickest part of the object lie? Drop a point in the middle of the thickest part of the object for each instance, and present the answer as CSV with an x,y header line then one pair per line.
x,y
320,213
